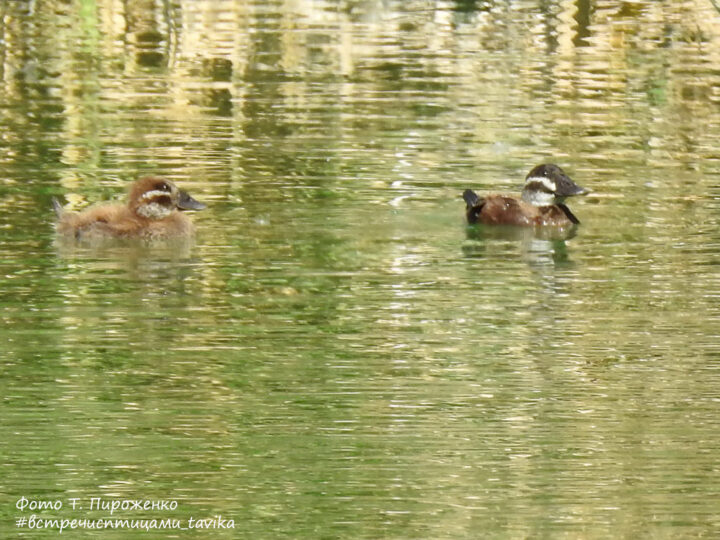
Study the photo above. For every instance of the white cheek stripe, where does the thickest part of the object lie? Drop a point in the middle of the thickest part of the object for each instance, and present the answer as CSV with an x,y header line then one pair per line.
x,y
154,193
549,184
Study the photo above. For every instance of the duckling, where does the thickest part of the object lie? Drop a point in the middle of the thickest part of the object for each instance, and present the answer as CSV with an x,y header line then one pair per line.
x,y
541,204
151,213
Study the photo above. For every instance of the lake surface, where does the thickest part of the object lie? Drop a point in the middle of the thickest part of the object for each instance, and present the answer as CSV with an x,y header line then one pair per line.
x,y
338,355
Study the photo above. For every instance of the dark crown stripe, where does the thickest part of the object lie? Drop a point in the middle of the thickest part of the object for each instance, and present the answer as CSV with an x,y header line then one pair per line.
x,y
163,199
538,185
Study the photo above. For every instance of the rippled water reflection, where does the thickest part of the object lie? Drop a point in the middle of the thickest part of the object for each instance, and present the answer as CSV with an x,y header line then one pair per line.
x,y
339,355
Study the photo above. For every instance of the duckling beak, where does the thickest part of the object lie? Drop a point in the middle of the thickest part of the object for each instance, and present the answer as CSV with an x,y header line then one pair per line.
x,y
186,202
565,187
583,191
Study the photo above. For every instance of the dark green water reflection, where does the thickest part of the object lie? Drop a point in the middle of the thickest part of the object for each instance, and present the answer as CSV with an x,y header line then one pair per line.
x,y
338,355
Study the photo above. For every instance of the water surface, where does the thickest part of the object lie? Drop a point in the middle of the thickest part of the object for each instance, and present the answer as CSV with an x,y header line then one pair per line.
x,y
338,355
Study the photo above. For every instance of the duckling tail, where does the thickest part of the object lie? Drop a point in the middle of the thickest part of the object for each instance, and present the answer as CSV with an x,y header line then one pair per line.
x,y
475,205
57,207
471,198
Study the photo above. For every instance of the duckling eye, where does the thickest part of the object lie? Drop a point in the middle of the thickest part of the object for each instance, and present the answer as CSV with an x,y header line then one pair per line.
x,y
164,187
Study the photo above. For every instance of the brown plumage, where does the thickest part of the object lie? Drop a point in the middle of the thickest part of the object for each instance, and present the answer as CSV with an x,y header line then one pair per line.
x,y
541,205
151,213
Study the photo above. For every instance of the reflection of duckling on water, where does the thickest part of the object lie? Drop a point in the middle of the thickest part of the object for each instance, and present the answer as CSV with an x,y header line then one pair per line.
x,y
542,203
151,213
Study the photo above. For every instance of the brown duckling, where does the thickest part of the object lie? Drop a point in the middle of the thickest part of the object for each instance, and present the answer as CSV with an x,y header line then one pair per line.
x,y
151,213
541,204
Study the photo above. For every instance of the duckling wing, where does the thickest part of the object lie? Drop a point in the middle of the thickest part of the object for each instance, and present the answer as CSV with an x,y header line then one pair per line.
x,y
502,210
101,222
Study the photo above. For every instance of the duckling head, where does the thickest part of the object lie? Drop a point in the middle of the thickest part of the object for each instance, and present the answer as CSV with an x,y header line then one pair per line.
x,y
153,197
548,184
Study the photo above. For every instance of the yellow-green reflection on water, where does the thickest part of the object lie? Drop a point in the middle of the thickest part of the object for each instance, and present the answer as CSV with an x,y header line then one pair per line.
x,y
338,355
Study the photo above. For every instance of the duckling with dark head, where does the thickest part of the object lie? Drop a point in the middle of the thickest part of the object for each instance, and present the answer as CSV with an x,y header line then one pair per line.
x,y
151,213
542,203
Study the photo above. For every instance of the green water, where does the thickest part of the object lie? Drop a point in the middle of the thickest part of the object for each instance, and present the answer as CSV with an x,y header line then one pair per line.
x,y
338,355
